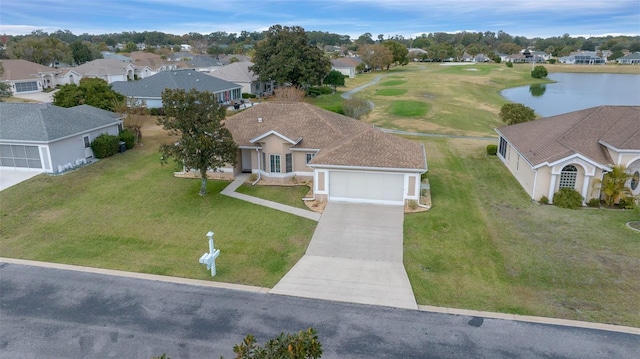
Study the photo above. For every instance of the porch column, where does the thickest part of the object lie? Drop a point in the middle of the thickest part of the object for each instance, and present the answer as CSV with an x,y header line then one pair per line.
x,y
585,188
552,187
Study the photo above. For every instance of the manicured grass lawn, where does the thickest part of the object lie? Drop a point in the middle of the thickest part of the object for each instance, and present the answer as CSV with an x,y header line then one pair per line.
x,y
393,83
128,212
408,108
391,92
289,195
484,245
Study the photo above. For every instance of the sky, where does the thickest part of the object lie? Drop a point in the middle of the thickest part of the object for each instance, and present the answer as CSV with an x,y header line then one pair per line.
x,y
408,18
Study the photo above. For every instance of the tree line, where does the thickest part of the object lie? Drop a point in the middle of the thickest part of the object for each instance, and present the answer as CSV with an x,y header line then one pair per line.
x,y
64,46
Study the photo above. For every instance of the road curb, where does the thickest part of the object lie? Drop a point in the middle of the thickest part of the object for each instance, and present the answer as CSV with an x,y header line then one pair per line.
x,y
153,277
531,319
263,290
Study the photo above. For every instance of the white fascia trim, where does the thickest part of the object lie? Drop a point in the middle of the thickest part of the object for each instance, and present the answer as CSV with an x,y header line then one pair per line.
x,y
364,168
304,150
272,132
250,147
572,157
424,155
626,150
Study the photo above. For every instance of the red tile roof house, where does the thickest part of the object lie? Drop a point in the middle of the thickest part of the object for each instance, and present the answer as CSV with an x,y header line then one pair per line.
x,y
572,150
346,159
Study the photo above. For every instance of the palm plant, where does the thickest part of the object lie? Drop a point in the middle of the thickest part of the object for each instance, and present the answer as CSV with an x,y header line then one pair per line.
x,y
613,184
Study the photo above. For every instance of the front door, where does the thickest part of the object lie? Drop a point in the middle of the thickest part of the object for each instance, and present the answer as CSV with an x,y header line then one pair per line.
x,y
246,161
88,153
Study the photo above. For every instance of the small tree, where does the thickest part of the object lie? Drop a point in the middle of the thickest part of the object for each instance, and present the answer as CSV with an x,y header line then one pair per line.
x,y
513,113
613,184
539,72
356,107
304,345
5,89
90,91
334,78
205,143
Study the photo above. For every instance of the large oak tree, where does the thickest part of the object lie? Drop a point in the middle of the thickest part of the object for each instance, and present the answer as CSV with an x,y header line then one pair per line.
x,y
205,143
285,56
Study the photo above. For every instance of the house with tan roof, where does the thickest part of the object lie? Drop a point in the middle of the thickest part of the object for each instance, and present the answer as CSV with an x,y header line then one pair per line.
x,y
239,73
26,77
109,70
347,160
148,64
572,150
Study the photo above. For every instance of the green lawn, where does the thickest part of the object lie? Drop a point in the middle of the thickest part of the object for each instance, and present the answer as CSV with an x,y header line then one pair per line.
x,y
128,212
391,92
485,245
393,83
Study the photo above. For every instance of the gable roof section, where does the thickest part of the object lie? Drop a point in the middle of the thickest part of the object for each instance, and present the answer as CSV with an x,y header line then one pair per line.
x,y
550,139
45,122
373,148
235,72
342,141
345,62
23,70
102,67
153,86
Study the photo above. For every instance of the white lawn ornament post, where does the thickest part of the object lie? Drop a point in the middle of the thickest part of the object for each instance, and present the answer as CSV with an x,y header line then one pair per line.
x,y
210,258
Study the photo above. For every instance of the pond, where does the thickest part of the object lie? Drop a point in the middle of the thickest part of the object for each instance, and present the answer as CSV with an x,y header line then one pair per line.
x,y
573,92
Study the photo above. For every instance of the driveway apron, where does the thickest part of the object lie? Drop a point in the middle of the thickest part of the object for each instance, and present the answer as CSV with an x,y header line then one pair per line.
x,y
355,255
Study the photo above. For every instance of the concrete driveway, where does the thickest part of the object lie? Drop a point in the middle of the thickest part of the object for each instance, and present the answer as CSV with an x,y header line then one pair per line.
x,y
355,256
10,178
46,97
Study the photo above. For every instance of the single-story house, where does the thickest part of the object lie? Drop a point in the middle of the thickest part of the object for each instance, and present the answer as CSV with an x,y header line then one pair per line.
x,y
582,58
51,139
347,160
572,149
109,70
26,77
631,59
346,65
149,90
239,73
148,64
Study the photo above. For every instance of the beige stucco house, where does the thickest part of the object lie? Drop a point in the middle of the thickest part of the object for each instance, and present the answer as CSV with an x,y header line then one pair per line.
x,y
27,77
346,159
572,150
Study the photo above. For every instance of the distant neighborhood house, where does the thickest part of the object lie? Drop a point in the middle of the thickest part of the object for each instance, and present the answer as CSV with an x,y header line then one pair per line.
x,y
26,77
149,90
51,139
346,65
572,150
239,73
631,59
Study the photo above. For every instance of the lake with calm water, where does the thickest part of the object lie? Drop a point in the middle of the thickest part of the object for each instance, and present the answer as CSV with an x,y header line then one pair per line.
x,y
573,92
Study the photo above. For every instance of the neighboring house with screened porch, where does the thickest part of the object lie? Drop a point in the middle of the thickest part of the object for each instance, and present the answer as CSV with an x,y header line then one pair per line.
x,y
572,150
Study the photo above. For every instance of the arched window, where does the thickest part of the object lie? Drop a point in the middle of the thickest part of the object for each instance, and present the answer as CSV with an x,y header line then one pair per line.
x,y
568,177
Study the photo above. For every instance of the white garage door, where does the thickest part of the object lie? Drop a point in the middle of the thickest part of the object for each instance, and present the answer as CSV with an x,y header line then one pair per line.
x,y
366,187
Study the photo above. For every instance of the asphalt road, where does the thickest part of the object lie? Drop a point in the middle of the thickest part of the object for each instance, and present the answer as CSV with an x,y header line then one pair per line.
x,y
52,313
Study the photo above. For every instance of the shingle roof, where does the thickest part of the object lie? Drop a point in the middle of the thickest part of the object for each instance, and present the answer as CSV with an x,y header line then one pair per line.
x,y
45,122
235,72
102,67
153,86
341,140
23,70
554,138
346,62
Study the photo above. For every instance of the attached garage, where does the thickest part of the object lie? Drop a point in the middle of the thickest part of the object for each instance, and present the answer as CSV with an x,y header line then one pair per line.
x,y
20,156
366,187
